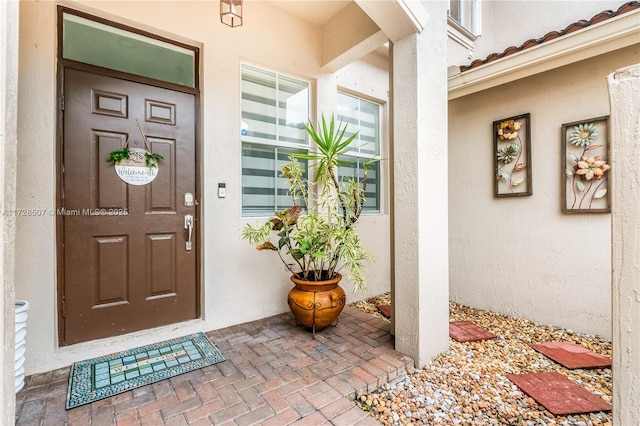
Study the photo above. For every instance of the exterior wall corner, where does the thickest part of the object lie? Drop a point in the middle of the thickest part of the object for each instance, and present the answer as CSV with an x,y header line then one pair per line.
x,y
624,93
8,165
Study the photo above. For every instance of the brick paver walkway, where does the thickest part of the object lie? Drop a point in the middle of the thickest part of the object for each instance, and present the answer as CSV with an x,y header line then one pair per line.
x,y
275,373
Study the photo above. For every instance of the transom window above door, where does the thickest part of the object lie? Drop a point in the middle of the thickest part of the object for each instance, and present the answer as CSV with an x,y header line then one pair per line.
x,y
117,48
274,109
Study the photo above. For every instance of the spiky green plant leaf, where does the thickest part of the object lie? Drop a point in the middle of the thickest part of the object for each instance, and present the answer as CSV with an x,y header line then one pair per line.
x,y
317,240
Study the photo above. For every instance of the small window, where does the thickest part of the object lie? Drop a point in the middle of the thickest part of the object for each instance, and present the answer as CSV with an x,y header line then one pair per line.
x,y
362,116
274,108
94,43
465,14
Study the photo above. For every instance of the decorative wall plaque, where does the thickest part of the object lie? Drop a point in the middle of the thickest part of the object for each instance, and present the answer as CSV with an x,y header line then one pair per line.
x,y
135,166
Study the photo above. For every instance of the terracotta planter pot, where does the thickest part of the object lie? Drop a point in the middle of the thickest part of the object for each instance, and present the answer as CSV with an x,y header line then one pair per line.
x,y
316,304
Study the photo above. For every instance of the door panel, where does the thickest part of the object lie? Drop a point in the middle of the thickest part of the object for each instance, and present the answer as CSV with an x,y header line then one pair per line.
x,y
126,272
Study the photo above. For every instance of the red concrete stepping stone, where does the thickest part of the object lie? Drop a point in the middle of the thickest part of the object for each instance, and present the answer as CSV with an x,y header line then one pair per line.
x,y
464,331
571,355
385,310
558,394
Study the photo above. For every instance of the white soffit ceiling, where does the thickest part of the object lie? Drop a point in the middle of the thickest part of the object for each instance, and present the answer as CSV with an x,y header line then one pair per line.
x,y
315,11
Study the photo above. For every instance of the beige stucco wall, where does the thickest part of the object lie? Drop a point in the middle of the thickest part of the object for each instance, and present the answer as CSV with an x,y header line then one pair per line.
x,y
420,290
238,283
624,95
8,142
522,256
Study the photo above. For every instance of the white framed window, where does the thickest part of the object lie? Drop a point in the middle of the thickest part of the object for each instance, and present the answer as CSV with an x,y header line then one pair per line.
x,y
274,108
464,15
363,116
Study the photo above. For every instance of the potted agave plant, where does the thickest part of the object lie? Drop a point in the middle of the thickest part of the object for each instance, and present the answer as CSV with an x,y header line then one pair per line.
x,y
317,238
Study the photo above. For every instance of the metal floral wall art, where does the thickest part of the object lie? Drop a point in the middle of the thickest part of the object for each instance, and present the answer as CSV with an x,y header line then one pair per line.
x,y
586,167
512,156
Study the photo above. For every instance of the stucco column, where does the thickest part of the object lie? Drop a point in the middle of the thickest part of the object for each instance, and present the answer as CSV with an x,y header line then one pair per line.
x,y
8,141
624,97
326,98
420,202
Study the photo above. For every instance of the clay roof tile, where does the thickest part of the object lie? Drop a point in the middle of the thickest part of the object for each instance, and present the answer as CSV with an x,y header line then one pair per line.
x,y
575,26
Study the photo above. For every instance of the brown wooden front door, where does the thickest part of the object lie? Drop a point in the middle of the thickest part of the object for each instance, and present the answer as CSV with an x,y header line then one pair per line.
x,y
126,265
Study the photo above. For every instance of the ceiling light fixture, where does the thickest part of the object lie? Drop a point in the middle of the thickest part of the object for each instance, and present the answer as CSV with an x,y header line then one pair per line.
x,y
231,12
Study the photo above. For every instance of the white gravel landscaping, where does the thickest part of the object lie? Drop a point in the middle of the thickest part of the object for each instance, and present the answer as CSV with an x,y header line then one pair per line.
x,y
467,385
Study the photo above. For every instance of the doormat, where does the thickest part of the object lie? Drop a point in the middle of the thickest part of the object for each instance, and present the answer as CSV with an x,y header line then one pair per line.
x,y
464,331
571,355
558,394
99,378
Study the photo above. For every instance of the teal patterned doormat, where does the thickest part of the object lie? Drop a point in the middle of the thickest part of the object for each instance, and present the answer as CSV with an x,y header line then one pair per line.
x,y
99,378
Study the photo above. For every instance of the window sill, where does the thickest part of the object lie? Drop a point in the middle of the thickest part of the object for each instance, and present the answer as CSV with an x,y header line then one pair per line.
x,y
461,35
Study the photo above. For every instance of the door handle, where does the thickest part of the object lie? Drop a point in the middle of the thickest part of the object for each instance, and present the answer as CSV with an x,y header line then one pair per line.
x,y
188,225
